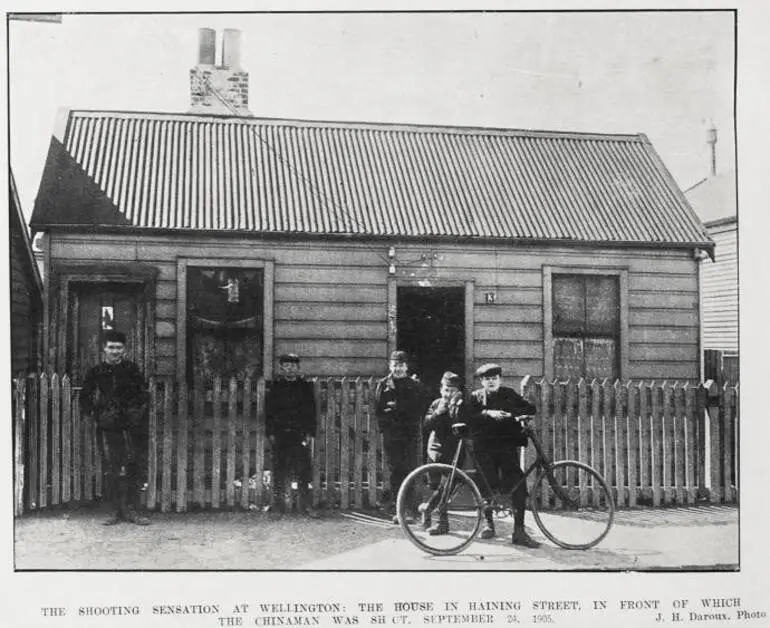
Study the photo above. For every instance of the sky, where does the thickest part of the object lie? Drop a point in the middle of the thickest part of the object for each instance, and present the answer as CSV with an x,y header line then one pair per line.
x,y
669,75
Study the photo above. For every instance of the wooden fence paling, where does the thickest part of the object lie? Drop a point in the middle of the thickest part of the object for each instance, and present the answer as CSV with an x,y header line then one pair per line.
x,y
690,472
607,401
317,445
529,390
34,441
232,410
199,434
55,439
216,447
545,434
331,442
619,442
259,462
358,445
152,448
344,444
736,434
595,422
584,436
679,445
168,426
66,440
714,397
728,442
372,434
668,442
245,430
181,447
19,395
77,439
632,443
42,500
656,419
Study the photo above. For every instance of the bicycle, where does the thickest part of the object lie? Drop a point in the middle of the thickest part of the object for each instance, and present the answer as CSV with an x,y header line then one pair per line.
x,y
570,501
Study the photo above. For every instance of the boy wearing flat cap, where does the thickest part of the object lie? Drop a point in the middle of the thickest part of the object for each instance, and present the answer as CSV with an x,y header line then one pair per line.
x,y
399,402
445,411
498,435
290,424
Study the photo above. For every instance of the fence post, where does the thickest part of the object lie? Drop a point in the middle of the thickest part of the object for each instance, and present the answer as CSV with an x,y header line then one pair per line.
x,y
607,471
667,442
619,418
181,445
528,388
373,436
645,441
232,413
632,442
245,429
42,500
713,403
583,435
358,436
344,441
728,442
19,396
152,447
259,463
737,440
546,426
680,460
656,443
690,420
55,439
199,443
165,502
317,444
66,440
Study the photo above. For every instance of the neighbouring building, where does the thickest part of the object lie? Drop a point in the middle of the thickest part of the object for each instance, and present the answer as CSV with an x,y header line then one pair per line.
x,y
218,240
715,201
26,291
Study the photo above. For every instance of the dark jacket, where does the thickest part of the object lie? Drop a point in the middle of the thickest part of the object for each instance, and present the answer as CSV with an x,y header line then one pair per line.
x,y
441,415
116,396
490,433
399,405
290,410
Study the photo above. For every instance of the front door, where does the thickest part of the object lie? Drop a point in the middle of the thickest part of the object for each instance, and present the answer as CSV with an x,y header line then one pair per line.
x,y
431,328
96,308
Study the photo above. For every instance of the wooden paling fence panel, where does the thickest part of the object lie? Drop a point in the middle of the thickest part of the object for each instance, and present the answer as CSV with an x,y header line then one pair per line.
x,y
648,439
656,443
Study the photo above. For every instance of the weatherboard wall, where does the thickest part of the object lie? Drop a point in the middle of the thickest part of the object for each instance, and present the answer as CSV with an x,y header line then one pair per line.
x,y
330,297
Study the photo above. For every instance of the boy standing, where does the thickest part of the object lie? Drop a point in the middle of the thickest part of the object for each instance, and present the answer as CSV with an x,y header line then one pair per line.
x,y
444,412
399,404
115,396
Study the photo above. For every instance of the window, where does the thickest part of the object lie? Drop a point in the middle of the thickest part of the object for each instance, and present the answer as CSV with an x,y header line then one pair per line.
x,y
586,326
225,326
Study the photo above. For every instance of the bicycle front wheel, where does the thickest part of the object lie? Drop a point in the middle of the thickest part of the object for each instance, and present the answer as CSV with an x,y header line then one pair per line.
x,y
572,505
440,509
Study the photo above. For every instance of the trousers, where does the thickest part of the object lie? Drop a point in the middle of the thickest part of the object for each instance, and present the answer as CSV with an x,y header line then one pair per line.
x,y
124,456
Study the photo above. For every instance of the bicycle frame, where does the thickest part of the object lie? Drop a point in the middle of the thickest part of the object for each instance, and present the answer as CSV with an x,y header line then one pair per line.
x,y
465,444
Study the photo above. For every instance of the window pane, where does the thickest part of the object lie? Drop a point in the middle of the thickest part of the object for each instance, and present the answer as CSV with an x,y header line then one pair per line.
x,y
568,304
600,358
602,305
567,358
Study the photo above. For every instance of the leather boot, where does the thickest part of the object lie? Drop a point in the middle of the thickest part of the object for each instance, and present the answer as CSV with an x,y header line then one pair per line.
x,y
441,527
488,531
425,515
521,538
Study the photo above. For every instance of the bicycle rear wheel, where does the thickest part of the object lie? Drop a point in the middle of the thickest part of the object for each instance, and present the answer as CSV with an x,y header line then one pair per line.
x,y
572,505
443,489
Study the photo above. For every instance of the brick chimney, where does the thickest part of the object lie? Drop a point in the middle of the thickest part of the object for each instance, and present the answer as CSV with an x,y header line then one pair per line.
x,y
224,88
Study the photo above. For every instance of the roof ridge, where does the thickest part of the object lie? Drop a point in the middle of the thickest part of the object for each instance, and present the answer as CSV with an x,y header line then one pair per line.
x,y
369,125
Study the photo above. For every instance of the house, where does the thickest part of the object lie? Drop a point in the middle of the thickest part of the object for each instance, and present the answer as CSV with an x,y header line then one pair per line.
x,y
715,201
26,290
218,240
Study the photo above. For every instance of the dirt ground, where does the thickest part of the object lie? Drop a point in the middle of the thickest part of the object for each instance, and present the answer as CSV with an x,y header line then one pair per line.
x,y
187,541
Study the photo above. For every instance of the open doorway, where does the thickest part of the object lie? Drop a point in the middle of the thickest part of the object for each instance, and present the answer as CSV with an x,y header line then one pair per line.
x,y
431,328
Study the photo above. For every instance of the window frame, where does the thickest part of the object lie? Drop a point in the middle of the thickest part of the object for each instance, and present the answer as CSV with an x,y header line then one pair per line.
x,y
268,270
619,272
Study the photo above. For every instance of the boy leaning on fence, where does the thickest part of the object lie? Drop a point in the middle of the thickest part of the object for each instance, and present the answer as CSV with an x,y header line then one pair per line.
x,y
115,396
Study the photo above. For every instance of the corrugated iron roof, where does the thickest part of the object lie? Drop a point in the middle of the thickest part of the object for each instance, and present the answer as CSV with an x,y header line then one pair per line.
x,y
172,171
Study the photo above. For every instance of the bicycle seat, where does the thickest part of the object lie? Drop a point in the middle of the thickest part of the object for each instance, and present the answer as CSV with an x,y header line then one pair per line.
x,y
460,429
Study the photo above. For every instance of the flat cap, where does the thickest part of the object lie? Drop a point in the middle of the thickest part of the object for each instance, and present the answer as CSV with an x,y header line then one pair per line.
x,y
112,335
451,379
489,370
288,357
399,356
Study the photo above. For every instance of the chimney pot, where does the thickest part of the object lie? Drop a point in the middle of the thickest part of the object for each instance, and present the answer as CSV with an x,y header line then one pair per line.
x,y
231,48
207,38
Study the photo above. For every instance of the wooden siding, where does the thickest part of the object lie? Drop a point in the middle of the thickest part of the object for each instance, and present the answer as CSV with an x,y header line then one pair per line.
x,y
719,291
330,298
25,308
